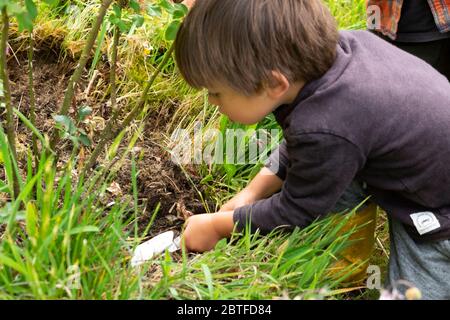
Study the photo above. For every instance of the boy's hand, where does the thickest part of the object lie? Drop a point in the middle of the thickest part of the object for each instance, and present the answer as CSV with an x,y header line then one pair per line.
x,y
203,231
200,234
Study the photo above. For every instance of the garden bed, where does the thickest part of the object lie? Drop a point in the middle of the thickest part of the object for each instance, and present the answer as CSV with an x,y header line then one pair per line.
x,y
160,182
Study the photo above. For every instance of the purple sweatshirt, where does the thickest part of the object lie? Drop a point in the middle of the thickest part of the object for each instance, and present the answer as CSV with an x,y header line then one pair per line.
x,y
379,116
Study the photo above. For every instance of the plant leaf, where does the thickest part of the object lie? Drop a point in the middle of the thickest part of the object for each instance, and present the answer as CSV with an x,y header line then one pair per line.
x,y
84,229
135,6
172,29
66,122
32,9
166,5
31,219
84,139
8,210
154,10
84,112
52,3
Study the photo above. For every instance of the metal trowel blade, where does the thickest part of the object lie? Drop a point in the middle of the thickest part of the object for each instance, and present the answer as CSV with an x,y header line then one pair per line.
x,y
155,246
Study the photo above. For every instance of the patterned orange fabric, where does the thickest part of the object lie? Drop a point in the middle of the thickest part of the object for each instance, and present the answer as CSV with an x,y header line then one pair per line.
x,y
391,10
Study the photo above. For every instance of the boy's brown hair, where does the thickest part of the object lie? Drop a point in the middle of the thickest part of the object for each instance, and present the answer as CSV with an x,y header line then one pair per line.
x,y
239,43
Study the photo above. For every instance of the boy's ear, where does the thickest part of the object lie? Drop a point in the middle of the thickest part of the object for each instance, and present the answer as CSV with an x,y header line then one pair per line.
x,y
278,85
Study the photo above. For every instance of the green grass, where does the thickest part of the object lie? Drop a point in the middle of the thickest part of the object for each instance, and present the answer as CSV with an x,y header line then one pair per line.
x,y
255,267
350,14
59,241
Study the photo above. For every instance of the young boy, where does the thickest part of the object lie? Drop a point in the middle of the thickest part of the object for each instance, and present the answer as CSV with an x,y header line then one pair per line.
x,y
357,121
419,27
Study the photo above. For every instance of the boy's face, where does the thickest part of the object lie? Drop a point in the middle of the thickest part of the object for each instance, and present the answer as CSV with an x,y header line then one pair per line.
x,y
252,109
240,108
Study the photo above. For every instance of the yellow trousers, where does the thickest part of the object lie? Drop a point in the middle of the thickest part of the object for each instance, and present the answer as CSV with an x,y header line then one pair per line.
x,y
360,251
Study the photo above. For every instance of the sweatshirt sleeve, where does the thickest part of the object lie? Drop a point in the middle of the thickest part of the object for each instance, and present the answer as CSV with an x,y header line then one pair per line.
x,y
278,161
322,166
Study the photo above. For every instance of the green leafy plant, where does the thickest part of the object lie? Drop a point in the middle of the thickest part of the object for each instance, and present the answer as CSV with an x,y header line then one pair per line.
x,y
69,131
126,20
112,128
56,246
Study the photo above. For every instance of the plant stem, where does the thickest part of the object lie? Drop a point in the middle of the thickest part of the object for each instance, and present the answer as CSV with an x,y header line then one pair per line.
x,y
32,98
112,75
109,133
143,99
105,136
7,96
80,67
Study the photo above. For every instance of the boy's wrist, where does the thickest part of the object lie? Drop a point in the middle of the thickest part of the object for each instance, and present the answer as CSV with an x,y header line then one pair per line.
x,y
223,223
245,197
253,193
264,185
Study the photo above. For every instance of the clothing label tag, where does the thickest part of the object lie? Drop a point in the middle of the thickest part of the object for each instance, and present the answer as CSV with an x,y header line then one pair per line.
x,y
425,222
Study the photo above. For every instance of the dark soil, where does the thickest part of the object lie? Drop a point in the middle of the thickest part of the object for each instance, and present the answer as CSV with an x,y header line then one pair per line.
x,y
50,81
159,181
